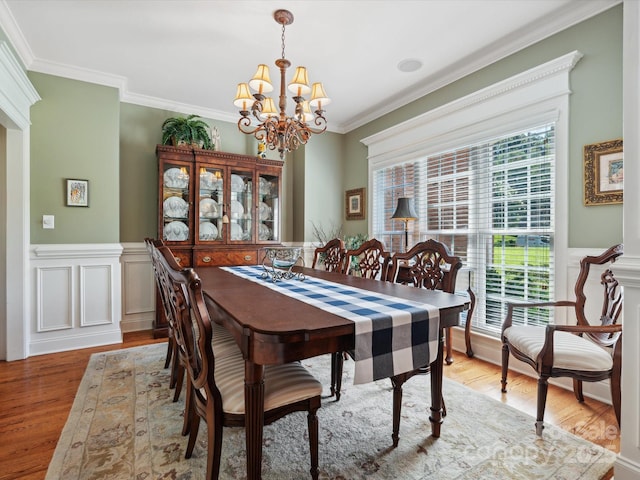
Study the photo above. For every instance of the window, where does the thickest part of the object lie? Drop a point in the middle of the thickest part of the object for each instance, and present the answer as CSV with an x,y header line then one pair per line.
x,y
488,173
491,203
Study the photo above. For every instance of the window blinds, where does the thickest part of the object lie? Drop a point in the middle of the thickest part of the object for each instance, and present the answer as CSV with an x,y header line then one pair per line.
x,y
492,204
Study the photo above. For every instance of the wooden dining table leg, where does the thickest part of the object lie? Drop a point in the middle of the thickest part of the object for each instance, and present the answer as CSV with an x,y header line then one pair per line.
x,y
254,417
436,388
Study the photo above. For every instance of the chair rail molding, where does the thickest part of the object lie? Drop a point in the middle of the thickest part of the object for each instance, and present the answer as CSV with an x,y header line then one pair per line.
x,y
76,296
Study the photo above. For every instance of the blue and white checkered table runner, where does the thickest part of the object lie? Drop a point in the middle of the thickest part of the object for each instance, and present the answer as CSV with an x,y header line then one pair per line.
x,y
393,335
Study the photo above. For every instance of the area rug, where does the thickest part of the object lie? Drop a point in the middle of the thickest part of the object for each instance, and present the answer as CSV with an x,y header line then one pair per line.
x,y
123,425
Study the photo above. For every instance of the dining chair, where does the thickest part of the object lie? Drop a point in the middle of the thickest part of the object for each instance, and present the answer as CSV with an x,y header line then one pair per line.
x,y
331,255
217,382
369,260
170,359
585,352
177,300
429,265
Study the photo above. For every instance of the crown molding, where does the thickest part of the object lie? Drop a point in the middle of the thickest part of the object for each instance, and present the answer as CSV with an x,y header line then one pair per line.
x,y
572,14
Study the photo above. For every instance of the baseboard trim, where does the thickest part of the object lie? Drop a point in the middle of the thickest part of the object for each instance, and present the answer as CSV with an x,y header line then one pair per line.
x,y
75,342
136,323
625,469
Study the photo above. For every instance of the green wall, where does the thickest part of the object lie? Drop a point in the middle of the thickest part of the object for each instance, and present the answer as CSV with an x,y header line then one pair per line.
x,y
595,115
74,134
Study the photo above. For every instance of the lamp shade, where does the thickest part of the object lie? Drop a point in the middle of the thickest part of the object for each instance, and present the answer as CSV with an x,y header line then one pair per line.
x,y
405,210
261,81
306,112
318,96
300,84
268,109
243,99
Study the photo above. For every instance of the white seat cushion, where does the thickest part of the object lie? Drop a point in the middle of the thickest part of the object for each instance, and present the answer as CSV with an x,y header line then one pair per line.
x,y
570,351
283,384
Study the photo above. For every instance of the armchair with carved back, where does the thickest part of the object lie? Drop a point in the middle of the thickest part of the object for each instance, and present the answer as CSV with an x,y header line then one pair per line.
x,y
585,351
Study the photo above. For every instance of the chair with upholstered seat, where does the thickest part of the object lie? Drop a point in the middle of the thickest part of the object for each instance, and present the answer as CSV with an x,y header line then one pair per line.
x,y
369,260
217,382
165,263
331,255
429,265
584,351
172,354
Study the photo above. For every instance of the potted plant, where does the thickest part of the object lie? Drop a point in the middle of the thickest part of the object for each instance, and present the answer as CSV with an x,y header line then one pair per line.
x,y
191,130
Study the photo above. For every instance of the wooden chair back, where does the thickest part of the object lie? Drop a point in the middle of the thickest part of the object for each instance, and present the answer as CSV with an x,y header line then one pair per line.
x,y
612,295
331,255
151,245
371,260
428,264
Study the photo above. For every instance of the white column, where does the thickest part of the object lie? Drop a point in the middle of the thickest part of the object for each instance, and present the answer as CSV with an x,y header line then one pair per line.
x,y
627,466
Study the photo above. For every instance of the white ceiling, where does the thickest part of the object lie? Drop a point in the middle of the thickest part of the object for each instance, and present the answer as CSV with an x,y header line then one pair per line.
x,y
188,56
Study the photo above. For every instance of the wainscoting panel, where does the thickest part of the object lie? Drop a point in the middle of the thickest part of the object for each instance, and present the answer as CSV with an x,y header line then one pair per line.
x,y
96,297
77,298
54,298
139,288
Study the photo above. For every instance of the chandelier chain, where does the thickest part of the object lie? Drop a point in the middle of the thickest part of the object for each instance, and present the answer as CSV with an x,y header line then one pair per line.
x,y
283,26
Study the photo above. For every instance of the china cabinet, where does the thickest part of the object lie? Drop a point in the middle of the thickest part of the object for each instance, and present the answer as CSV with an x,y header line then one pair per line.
x,y
216,208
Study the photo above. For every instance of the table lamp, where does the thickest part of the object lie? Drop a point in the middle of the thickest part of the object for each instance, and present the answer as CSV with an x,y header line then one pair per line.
x,y
405,212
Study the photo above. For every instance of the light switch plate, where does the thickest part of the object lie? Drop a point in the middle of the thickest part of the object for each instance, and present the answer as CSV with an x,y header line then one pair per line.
x,y
48,221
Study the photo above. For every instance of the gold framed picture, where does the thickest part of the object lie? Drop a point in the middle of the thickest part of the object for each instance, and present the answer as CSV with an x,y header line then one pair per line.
x,y
355,204
603,173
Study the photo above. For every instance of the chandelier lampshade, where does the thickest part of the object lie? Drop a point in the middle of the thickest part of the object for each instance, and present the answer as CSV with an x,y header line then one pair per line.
x,y
243,99
261,82
274,126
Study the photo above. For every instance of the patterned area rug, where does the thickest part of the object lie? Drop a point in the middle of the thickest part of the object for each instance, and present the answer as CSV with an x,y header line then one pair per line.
x,y
123,425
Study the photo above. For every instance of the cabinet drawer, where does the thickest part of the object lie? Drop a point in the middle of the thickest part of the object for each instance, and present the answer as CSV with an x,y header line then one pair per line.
x,y
225,257
183,257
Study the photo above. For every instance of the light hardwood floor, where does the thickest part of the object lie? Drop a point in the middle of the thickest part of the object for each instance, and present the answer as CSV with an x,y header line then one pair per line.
x,y
36,395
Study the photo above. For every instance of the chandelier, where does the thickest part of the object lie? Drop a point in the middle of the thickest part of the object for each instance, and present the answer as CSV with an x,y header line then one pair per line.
x,y
275,128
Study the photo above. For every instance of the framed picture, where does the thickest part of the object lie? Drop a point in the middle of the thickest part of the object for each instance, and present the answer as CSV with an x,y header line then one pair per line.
x,y
355,204
603,173
77,193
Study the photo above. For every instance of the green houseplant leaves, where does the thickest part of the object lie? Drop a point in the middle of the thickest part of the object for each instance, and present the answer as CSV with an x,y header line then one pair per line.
x,y
191,130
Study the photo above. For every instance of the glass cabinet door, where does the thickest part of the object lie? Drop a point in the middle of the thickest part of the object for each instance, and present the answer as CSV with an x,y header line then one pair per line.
x,y
268,207
210,204
241,206
175,202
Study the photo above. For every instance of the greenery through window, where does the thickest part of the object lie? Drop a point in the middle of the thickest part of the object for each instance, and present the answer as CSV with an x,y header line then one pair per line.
x,y
492,204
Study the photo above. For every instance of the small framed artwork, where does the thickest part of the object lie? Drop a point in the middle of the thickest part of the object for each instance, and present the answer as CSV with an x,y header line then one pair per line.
x,y
603,173
77,193
355,204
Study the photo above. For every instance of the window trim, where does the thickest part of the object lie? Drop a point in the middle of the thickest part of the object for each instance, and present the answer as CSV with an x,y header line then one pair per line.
x,y
538,95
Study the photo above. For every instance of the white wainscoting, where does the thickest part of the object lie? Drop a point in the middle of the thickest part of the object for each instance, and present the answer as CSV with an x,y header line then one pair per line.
x,y
76,297
138,312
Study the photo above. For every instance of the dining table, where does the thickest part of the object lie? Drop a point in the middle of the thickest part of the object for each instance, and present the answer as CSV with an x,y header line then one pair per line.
x,y
271,328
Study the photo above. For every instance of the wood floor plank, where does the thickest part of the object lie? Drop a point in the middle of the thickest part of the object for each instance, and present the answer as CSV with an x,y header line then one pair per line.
x,y
36,396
